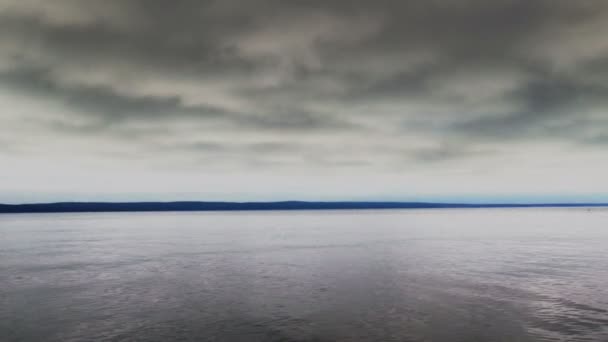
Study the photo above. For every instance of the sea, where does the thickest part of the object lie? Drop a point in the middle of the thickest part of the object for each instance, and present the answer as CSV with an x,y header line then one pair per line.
x,y
371,275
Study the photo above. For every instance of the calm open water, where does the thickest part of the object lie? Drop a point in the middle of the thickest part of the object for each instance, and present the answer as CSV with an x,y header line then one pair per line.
x,y
409,275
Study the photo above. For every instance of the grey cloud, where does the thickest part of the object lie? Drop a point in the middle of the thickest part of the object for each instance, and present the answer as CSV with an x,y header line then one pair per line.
x,y
6,146
90,100
254,147
103,109
550,108
447,153
296,120
600,139
322,68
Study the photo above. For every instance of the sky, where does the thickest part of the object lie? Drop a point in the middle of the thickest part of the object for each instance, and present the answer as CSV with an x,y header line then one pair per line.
x,y
244,100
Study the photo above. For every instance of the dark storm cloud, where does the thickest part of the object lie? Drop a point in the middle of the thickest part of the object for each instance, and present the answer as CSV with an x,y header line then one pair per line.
x,y
472,72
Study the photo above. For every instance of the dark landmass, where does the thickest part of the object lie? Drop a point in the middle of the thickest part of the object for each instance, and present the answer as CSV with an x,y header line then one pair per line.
x,y
68,207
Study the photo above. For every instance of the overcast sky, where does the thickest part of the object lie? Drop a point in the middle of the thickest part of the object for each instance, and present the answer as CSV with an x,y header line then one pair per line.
x,y
327,99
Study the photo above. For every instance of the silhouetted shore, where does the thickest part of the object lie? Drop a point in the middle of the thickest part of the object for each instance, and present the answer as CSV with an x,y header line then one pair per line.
x,y
64,207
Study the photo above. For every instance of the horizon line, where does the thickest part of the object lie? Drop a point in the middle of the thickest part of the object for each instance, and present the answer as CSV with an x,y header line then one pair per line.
x,y
160,206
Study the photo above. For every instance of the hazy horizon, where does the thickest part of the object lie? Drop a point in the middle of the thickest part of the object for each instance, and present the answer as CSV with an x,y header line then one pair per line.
x,y
472,199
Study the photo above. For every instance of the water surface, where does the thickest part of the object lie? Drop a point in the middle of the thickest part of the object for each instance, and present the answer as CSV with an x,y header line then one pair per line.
x,y
394,275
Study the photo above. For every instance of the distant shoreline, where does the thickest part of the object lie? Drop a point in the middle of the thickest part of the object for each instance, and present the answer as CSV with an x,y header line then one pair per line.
x,y
82,207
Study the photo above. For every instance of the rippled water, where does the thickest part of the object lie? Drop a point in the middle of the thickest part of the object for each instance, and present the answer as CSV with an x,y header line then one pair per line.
x,y
411,275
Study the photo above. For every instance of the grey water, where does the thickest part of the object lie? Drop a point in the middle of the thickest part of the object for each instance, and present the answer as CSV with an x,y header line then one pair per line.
x,y
390,275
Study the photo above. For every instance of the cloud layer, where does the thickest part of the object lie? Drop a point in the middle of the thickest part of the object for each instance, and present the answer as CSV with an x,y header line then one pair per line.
x,y
382,87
